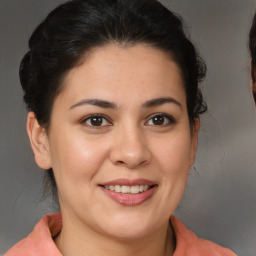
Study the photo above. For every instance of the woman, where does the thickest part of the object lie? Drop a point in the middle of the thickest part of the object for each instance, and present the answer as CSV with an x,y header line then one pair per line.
x,y
112,92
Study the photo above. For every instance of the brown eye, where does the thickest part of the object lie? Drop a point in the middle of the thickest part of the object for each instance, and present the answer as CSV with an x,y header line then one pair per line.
x,y
160,120
96,121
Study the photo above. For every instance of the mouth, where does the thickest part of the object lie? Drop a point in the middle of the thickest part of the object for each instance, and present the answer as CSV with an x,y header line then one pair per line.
x,y
129,193
128,189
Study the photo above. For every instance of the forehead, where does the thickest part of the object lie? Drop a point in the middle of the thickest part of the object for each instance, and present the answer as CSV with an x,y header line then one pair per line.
x,y
114,70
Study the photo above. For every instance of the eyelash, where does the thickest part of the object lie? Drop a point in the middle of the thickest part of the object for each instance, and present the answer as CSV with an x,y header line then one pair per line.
x,y
167,118
90,117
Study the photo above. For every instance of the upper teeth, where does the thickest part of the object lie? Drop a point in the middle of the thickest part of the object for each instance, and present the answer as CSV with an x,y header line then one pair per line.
x,y
128,189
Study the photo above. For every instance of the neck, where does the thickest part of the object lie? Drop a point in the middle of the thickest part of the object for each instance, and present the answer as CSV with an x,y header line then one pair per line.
x,y
90,243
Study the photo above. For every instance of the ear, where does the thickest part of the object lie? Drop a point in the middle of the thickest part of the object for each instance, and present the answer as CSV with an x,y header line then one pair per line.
x,y
194,140
38,141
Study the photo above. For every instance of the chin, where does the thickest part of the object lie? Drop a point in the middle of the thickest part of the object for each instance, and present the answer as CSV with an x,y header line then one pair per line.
x,y
130,227
130,234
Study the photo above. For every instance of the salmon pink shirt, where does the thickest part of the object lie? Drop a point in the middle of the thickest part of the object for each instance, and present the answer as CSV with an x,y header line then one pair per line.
x,y
40,241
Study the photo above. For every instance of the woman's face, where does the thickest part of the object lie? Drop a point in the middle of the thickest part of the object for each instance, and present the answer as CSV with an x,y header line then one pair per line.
x,y
120,142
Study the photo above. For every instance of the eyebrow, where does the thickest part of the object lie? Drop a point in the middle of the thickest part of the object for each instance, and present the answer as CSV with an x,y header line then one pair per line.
x,y
106,104
160,101
95,102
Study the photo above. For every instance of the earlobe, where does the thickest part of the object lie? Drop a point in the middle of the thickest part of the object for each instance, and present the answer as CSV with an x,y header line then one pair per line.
x,y
194,135
38,141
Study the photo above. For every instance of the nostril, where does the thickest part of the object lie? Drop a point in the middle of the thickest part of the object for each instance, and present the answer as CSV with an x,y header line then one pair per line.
x,y
131,164
144,162
120,163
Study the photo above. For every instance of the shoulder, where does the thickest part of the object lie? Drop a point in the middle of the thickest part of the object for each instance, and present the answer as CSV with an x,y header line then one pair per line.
x,y
39,242
187,243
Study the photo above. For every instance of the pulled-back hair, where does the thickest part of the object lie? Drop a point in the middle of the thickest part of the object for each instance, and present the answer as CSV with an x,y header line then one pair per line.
x,y
74,28
252,47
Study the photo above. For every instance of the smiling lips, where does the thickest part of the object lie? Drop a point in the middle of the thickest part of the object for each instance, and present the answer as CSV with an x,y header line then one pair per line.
x,y
129,192
128,189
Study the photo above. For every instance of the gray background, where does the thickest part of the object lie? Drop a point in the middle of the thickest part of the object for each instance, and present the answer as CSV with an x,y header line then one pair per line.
x,y
220,201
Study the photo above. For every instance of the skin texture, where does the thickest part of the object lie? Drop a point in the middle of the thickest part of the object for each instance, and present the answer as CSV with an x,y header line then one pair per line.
x,y
127,145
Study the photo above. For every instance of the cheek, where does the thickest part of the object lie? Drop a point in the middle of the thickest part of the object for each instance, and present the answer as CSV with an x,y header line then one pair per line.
x,y
173,155
76,160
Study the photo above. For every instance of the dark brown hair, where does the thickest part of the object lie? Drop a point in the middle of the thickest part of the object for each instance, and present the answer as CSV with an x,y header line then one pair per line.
x,y
252,47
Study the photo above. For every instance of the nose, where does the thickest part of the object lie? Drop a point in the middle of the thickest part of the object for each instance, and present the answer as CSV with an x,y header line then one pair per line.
x,y
130,149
